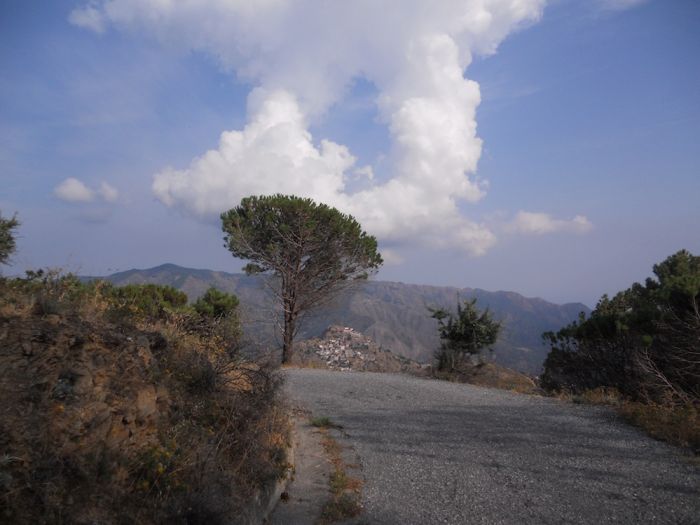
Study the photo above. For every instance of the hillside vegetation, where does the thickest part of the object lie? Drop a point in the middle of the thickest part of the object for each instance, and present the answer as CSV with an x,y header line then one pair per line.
x,y
124,405
640,347
394,315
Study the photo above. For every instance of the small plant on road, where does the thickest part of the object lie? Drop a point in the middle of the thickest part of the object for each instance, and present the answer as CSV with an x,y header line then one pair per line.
x,y
324,422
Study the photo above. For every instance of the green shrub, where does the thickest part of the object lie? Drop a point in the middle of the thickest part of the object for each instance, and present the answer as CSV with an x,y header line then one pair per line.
x,y
151,301
49,291
643,341
216,304
321,422
463,334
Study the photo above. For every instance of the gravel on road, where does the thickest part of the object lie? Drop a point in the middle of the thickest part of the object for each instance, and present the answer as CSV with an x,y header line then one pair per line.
x,y
439,452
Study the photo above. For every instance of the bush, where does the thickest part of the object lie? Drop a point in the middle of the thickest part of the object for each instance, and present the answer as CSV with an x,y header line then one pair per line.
x,y
150,301
216,304
463,335
645,341
45,292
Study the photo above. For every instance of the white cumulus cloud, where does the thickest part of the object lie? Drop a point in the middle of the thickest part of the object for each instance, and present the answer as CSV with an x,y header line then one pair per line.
x,y
303,57
73,190
274,153
531,223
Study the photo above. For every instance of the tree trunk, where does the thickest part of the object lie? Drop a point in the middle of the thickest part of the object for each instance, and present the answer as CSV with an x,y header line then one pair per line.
x,y
288,338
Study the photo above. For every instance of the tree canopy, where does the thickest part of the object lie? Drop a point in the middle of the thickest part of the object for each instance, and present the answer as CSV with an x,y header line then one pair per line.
x,y
645,341
311,250
7,237
216,304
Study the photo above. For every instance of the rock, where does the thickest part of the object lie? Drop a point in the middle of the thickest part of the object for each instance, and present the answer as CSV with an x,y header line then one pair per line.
x,y
146,404
145,354
82,383
26,348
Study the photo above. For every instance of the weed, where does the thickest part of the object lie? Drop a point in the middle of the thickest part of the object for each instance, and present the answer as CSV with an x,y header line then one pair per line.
x,y
321,422
343,507
345,490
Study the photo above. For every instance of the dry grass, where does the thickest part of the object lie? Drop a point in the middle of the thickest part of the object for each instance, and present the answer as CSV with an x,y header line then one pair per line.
x,y
490,375
105,418
679,425
345,489
673,422
597,396
303,361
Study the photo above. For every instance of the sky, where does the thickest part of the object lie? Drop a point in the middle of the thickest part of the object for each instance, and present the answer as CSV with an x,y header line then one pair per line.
x,y
547,148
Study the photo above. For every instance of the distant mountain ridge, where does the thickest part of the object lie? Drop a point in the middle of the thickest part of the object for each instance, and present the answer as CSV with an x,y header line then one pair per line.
x,y
393,314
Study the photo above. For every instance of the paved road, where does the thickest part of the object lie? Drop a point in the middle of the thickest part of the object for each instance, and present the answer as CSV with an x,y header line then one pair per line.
x,y
438,452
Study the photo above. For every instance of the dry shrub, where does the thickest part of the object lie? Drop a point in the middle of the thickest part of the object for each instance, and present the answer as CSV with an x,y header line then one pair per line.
x,y
601,396
669,420
107,418
677,424
490,375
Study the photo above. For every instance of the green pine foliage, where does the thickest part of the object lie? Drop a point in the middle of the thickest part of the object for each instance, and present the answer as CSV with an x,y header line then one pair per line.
x,y
7,238
645,341
149,300
216,304
312,251
463,334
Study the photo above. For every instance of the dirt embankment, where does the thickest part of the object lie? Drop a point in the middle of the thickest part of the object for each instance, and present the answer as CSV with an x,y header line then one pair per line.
x,y
104,422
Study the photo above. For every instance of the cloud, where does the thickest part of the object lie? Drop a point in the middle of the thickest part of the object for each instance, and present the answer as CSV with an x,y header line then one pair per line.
x,y
107,192
391,257
273,153
72,190
303,57
530,223
88,17
364,172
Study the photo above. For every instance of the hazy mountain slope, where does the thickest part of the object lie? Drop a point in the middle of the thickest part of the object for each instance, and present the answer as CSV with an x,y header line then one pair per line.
x,y
395,315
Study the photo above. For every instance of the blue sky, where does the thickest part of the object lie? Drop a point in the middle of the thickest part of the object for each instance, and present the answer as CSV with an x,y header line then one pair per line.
x,y
589,114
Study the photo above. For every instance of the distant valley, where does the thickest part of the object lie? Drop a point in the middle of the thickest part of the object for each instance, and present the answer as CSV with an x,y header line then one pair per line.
x,y
393,314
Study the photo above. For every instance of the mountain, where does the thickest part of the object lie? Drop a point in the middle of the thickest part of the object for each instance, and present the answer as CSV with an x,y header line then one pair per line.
x,y
393,314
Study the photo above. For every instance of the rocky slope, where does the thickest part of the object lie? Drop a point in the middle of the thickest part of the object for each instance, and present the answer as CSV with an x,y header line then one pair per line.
x,y
342,348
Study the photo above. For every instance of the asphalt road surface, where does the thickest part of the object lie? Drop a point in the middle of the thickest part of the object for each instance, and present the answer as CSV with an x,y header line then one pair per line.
x,y
439,452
